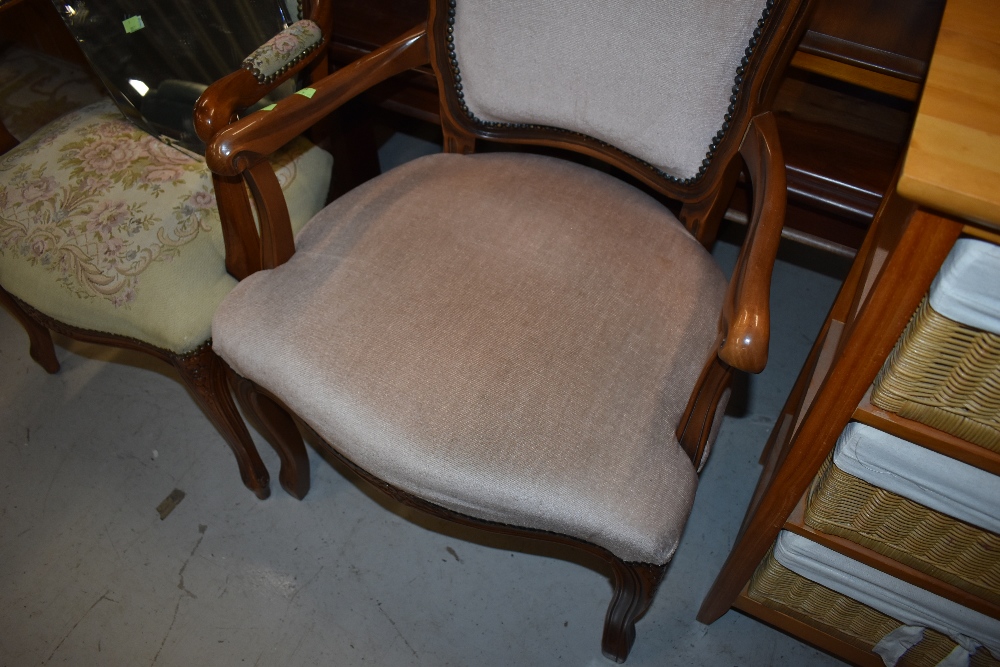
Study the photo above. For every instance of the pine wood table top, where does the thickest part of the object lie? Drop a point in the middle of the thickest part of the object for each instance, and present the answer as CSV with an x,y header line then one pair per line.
x,y
953,160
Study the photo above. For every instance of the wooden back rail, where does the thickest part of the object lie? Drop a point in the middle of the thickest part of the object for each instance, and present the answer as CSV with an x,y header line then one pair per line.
x,y
761,74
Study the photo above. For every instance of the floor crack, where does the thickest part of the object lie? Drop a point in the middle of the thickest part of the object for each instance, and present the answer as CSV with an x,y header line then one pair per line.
x,y
180,584
66,636
378,605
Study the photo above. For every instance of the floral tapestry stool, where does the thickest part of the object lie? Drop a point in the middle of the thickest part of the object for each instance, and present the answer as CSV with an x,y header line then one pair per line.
x,y
108,230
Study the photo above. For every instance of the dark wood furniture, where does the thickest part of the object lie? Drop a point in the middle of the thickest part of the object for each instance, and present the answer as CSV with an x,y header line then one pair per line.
x,y
748,137
951,166
844,109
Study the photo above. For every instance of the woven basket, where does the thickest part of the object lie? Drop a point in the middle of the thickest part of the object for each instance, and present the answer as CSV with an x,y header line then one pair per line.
x,y
777,587
945,548
946,375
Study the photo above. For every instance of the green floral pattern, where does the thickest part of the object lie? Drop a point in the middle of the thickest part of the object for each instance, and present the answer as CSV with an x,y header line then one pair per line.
x,y
75,198
283,50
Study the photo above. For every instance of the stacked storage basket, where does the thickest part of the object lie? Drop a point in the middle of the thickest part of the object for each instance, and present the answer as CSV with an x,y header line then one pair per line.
x,y
945,370
932,513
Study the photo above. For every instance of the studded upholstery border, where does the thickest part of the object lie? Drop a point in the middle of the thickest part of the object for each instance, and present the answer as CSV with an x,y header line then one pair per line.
x,y
710,148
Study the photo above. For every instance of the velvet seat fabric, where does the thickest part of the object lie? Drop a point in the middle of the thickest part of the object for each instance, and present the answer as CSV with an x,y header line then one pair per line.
x,y
106,228
509,336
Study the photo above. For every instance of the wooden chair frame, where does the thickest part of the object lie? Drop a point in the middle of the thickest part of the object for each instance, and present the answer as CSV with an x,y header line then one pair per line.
x,y
750,134
201,370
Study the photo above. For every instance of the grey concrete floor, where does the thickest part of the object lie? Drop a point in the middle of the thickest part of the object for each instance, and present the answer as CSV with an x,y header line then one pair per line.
x,y
90,575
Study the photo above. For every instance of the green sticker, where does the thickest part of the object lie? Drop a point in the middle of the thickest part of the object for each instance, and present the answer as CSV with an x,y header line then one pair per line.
x,y
133,24
306,92
268,107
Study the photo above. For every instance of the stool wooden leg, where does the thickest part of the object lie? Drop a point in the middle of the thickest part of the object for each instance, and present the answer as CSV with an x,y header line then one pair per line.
x,y
204,373
40,340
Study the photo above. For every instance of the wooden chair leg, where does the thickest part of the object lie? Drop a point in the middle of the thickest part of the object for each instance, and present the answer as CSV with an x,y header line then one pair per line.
x,y
281,431
635,586
40,340
204,373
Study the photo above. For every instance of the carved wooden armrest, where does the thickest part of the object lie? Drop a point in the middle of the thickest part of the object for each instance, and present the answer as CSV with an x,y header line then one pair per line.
x,y
270,65
240,148
746,311
246,142
303,44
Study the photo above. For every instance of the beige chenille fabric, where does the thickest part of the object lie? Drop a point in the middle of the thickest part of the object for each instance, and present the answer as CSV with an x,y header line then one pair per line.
x,y
653,80
510,336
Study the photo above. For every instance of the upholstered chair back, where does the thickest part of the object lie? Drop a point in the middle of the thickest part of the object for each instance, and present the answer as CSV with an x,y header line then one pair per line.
x,y
655,78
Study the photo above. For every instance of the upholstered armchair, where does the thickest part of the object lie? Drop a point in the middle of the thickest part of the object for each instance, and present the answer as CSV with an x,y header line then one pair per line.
x,y
110,228
520,342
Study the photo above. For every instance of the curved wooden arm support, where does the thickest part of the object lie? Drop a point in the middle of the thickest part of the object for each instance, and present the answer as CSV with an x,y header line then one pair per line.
x,y
746,312
246,142
277,244
217,107
239,233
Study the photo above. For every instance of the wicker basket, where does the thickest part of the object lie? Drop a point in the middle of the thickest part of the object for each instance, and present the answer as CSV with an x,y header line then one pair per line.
x,y
950,550
946,375
777,587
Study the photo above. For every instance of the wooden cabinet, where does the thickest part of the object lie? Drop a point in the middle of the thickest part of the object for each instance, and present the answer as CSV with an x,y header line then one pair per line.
x,y
900,257
890,277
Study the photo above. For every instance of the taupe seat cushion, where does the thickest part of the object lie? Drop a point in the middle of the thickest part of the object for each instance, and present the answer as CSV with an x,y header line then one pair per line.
x,y
512,337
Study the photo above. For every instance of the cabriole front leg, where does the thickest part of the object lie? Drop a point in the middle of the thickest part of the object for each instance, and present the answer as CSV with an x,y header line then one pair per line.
x,y
635,586
280,430
205,375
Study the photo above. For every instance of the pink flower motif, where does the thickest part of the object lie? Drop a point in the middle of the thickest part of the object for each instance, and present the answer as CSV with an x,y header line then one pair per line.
x,y
113,128
38,247
106,157
202,200
162,174
284,43
111,250
160,153
94,185
123,297
108,217
37,189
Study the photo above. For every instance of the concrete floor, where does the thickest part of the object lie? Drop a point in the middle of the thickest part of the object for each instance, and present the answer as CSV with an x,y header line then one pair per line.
x,y
90,575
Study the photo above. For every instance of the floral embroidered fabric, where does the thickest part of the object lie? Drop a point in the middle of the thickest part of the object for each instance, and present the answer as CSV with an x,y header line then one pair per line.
x,y
80,210
283,50
105,227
